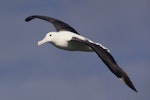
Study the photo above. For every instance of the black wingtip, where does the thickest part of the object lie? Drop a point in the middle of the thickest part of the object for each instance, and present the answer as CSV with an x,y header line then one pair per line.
x,y
128,82
29,18
134,88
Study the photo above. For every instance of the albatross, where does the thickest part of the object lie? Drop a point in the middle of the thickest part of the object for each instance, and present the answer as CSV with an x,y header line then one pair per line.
x,y
67,38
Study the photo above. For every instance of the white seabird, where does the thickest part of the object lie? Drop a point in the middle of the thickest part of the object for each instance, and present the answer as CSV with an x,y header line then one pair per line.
x,y
68,38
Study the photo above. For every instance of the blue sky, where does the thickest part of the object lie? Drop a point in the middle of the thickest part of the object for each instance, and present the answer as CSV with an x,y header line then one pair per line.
x,y
29,72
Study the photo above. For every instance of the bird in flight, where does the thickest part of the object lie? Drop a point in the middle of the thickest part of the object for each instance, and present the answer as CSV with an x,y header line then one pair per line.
x,y
67,38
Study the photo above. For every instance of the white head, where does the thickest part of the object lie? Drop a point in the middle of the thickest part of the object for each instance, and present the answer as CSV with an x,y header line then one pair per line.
x,y
48,38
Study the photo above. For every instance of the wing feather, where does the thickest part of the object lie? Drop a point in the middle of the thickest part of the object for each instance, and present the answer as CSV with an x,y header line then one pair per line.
x,y
59,25
108,59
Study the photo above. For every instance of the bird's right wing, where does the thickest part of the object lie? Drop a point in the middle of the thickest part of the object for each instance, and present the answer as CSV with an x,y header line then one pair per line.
x,y
59,25
108,60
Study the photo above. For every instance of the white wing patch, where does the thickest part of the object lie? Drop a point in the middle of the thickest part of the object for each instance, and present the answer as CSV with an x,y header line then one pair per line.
x,y
100,45
103,47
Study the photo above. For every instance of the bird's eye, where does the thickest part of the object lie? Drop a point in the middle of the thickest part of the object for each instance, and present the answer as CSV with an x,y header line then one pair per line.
x,y
50,35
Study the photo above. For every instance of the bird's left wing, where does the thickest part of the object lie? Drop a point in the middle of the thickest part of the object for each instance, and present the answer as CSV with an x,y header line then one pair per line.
x,y
59,25
108,60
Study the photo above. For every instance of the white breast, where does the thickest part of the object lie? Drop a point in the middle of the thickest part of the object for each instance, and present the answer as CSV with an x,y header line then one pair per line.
x,y
63,41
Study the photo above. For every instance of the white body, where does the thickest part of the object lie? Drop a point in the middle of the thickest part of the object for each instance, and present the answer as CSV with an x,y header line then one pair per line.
x,y
62,40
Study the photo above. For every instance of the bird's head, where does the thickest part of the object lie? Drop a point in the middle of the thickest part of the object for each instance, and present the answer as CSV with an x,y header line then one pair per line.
x,y
48,38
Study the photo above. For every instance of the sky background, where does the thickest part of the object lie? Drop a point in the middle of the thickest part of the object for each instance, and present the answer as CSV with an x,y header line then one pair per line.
x,y
29,72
